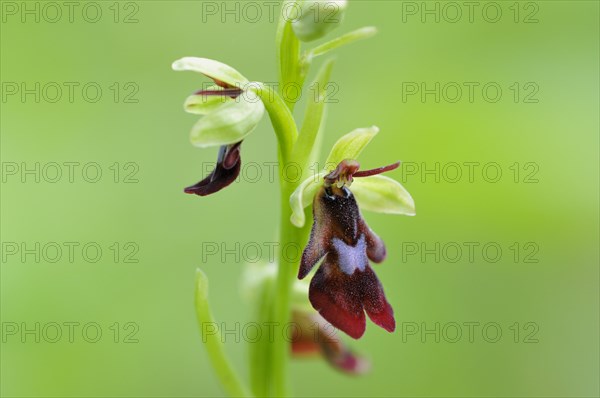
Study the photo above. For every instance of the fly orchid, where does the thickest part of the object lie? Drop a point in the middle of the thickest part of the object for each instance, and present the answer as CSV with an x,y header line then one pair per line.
x,y
345,286
229,116
341,244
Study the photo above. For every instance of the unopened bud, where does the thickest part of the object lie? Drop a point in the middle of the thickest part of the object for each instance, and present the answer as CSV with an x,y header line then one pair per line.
x,y
318,17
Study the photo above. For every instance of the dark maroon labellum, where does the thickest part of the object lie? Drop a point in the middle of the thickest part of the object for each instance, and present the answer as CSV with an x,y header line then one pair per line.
x,y
345,286
225,172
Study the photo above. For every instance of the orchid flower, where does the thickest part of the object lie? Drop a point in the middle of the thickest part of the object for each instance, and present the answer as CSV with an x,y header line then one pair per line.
x,y
345,286
229,116
312,335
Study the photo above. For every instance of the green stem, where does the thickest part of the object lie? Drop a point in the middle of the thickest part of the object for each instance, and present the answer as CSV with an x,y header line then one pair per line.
x,y
281,119
287,270
212,340
286,131
292,70
288,56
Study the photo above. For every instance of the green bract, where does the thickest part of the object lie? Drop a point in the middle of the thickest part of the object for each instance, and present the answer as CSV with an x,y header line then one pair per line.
x,y
317,18
375,193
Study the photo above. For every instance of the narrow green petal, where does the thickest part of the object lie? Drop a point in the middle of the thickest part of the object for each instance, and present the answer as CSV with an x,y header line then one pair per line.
x,y
350,145
211,68
382,194
199,104
228,124
303,196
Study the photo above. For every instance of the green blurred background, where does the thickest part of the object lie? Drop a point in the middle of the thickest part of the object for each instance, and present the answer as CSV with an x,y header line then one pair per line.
x,y
556,298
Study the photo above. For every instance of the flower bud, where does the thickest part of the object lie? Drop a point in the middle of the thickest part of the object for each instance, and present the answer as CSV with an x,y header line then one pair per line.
x,y
318,17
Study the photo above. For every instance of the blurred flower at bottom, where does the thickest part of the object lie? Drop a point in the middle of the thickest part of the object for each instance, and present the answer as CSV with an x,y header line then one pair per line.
x,y
313,336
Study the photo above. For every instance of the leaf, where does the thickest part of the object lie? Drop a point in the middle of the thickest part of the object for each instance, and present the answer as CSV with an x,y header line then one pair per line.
x,y
288,54
348,38
303,196
314,115
213,341
382,194
228,124
213,69
350,145
201,286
